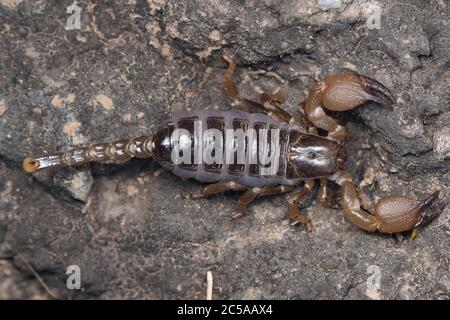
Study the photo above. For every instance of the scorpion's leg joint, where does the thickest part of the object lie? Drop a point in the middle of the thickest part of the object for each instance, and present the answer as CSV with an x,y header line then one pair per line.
x,y
293,209
216,188
253,193
268,102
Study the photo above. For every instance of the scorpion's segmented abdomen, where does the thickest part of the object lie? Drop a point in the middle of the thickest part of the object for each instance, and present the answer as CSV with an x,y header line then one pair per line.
x,y
232,167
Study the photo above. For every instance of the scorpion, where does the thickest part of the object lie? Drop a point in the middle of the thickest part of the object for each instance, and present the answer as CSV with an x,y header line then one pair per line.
x,y
305,156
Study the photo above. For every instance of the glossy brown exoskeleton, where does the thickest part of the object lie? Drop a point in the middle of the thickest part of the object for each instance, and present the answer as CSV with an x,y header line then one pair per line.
x,y
303,155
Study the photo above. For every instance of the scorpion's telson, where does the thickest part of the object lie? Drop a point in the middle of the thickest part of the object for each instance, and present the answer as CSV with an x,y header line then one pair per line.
x,y
300,155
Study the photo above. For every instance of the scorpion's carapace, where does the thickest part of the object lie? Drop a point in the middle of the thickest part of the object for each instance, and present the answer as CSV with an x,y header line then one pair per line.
x,y
301,154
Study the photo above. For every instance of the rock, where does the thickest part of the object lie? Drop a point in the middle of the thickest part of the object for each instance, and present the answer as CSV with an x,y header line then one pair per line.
x,y
442,144
137,62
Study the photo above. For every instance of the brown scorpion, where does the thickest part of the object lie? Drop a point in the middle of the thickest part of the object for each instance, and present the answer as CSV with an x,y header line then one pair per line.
x,y
303,155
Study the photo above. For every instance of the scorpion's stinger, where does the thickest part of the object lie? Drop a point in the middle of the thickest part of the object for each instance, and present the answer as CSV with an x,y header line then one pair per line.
x,y
31,164
119,150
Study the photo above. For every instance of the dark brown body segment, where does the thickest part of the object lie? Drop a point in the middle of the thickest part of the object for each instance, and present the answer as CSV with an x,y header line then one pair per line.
x,y
288,173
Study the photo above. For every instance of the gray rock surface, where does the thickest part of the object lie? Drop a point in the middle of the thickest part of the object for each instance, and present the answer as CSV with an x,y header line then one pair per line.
x,y
131,65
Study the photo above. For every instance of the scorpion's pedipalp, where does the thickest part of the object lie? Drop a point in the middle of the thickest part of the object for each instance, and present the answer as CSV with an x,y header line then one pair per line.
x,y
346,91
399,213
342,92
392,214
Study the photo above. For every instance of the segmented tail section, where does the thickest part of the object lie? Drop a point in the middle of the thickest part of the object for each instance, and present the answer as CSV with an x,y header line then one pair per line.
x,y
119,150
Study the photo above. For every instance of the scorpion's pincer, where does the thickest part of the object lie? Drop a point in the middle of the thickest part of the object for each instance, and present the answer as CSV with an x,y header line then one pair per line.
x,y
376,91
398,213
347,91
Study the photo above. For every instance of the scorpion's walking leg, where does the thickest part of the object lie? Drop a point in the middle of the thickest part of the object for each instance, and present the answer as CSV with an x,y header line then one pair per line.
x,y
293,203
216,188
253,193
271,104
268,103
232,90
339,93
391,214
324,194
120,150
273,97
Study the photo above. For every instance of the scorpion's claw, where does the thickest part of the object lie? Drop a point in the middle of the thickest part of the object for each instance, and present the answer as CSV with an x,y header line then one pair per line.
x,y
346,91
376,91
392,214
429,209
398,213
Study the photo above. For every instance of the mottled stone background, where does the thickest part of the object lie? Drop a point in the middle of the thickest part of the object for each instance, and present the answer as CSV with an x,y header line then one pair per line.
x,y
135,62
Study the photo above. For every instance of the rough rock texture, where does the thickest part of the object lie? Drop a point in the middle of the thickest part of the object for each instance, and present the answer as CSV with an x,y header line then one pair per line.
x,y
135,62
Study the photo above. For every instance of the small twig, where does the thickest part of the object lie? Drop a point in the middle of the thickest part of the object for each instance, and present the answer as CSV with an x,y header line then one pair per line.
x,y
209,285
38,277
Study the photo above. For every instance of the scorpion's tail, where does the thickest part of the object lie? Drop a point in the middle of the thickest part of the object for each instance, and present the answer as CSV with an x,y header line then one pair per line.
x,y
119,150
